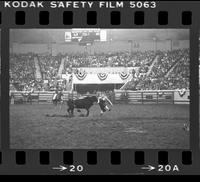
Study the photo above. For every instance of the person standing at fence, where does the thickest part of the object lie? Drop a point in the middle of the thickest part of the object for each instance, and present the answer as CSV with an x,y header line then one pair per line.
x,y
11,96
54,99
27,95
57,97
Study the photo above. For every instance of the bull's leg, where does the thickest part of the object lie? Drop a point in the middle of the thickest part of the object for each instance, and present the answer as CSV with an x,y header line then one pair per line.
x,y
54,102
88,112
55,108
102,112
25,100
61,104
72,112
69,111
60,107
30,100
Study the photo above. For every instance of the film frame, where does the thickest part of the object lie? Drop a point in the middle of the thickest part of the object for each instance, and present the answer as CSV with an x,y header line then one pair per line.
x,y
102,161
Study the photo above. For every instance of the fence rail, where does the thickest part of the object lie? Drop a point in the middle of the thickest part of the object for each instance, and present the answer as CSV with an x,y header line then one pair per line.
x,y
118,96
152,96
18,97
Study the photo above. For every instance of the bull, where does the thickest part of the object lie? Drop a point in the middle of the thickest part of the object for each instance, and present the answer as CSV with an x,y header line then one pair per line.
x,y
81,103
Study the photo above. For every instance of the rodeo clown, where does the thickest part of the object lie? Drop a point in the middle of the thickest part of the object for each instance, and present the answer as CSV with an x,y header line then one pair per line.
x,y
102,101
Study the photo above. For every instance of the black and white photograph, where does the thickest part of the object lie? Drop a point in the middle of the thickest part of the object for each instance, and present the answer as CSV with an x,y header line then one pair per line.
x,y
99,88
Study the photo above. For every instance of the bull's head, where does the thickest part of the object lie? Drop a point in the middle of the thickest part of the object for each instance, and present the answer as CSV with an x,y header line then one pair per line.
x,y
94,99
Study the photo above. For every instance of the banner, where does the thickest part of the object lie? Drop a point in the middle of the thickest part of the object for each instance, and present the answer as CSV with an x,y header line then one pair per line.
x,y
117,75
108,70
81,74
102,76
182,97
124,75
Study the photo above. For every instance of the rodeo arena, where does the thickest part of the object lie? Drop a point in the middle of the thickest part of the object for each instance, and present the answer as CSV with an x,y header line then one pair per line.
x,y
99,88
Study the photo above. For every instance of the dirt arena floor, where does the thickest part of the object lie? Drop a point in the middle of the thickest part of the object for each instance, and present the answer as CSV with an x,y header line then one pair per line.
x,y
149,126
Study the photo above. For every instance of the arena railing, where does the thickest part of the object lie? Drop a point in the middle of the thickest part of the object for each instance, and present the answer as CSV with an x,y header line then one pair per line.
x,y
117,97
152,96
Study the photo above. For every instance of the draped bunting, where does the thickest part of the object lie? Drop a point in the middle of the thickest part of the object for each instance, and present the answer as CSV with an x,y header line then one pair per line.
x,y
102,76
81,74
124,75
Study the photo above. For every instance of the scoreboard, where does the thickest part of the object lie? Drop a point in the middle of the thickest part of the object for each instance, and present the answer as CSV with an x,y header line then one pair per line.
x,y
86,35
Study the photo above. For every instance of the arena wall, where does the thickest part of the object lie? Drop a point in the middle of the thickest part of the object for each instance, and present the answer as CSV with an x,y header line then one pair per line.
x,y
118,96
152,96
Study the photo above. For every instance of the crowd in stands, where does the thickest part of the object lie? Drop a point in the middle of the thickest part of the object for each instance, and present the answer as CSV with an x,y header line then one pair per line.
x,y
22,69
170,72
118,59
49,66
157,70
166,61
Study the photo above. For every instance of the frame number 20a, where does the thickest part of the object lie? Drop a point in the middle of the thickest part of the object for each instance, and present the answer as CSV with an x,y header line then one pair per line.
x,y
168,168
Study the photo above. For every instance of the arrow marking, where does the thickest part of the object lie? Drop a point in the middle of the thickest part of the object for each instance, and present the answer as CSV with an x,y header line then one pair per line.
x,y
149,168
60,168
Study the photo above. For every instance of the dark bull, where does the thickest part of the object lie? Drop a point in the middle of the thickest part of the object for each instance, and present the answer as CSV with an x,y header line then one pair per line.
x,y
83,103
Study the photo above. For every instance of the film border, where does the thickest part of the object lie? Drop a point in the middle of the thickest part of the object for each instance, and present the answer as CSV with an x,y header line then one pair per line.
x,y
127,156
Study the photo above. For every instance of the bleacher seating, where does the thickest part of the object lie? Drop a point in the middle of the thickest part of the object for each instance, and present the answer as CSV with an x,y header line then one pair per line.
x,y
170,69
